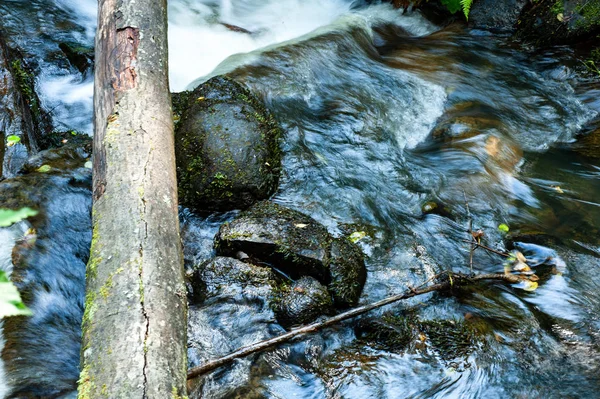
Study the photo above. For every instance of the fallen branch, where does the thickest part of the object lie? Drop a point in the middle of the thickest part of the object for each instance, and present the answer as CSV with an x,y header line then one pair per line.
x,y
453,280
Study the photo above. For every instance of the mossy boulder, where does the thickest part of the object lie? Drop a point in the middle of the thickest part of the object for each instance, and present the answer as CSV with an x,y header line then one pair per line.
x,y
302,302
549,22
228,280
299,246
228,276
227,148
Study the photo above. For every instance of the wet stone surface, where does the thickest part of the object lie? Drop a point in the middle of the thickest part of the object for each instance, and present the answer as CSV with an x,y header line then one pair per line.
x,y
227,147
299,246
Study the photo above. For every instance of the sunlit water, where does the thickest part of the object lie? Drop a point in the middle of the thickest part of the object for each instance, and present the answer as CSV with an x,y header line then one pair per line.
x,y
384,112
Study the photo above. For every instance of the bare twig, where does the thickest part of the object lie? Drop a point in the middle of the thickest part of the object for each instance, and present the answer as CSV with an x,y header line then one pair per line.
x,y
471,247
454,280
487,248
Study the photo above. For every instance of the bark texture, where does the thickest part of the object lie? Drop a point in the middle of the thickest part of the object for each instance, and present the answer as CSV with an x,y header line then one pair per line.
x,y
134,325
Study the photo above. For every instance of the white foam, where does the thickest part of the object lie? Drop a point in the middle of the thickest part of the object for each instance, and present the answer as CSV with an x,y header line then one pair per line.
x,y
198,40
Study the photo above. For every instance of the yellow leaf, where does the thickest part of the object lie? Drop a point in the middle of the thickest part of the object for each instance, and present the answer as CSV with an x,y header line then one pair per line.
x,y
560,17
527,285
357,236
300,225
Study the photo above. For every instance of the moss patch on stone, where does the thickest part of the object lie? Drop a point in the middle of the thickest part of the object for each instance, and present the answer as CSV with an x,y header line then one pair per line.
x,y
227,147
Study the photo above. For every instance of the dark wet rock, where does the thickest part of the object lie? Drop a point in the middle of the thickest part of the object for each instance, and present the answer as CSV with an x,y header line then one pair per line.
x,y
303,302
496,15
588,144
348,272
227,276
231,309
298,245
452,340
393,333
548,22
227,148
20,111
179,103
79,57
436,208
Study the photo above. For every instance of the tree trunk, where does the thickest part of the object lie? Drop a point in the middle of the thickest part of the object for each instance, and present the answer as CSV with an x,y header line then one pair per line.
x,y
134,325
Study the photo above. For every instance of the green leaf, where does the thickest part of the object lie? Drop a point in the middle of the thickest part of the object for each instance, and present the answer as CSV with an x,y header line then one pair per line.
x,y
452,5
503,228
12,140
44,169
8,216
10,300
466,7
357,236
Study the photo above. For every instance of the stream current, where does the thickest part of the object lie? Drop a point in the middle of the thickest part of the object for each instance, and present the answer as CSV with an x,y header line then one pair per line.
x,y
384,114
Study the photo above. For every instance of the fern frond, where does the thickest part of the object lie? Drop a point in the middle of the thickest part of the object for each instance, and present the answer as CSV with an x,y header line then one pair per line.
x,y
466,6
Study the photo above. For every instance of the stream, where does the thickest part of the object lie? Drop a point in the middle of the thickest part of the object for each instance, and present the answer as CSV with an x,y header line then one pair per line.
x,y
386,116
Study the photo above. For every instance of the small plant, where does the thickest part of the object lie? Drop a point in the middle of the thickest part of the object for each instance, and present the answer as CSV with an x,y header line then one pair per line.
x,y
10,300
456,5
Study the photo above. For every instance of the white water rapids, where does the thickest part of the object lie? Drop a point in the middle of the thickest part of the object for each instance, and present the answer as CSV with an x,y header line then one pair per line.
x,y
202,34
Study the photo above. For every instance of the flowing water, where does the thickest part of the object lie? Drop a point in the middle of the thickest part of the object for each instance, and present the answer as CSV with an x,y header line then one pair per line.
x,y
384,113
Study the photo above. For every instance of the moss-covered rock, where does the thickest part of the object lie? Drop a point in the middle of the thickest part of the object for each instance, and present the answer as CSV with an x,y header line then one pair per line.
x,y
298,245
228,280
226,276
547,22
79,57
302,302
452,340
21,116
227,148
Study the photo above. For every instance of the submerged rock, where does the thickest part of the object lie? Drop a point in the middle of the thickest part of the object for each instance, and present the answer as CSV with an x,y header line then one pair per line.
x,y
224,280
232,309
79,57
227,148
299,245
302,302
227,276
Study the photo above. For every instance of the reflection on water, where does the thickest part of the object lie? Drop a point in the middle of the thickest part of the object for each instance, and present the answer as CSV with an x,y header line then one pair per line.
x,y
384,113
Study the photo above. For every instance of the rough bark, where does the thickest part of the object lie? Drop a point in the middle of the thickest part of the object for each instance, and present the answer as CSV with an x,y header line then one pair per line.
x,y
134,325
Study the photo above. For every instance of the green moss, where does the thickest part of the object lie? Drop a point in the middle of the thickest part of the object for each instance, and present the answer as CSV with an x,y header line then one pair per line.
x,y
105,289
25,82
451,338
210,177
175,394
590,11
85,384
558,7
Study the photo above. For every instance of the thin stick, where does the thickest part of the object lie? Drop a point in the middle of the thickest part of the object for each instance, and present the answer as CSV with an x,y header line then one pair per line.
x,y
453,281
487,248
471,247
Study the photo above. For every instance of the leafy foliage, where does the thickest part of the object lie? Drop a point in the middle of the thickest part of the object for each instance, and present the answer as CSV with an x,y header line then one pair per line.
x,y
10,300
8,216
456,5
